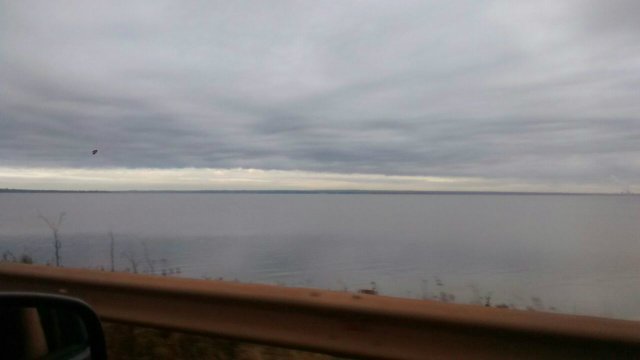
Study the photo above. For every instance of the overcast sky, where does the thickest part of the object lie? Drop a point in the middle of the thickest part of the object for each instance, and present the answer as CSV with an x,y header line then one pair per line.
x,y
442,95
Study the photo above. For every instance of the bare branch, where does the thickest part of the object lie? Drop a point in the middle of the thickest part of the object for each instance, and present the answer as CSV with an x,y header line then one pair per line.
x,y
49,223
8,256
60,219
150,263
113,244
54,229
132,259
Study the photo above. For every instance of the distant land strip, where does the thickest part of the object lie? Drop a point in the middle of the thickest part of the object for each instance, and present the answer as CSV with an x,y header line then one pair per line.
x,y
335,192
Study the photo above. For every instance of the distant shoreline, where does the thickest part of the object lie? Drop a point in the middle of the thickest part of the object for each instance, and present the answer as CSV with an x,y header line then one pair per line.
x,y
328,192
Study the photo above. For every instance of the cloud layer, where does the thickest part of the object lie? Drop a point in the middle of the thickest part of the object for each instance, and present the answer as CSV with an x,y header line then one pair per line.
x,y
543,93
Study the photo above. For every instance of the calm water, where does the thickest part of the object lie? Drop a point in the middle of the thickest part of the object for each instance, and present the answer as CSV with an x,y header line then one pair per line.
x,y
579,254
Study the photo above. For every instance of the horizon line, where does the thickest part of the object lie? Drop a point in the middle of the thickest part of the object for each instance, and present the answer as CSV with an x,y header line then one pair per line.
x,y
322,191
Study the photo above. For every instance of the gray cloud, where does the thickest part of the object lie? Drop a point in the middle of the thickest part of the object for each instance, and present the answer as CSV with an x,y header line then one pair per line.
x,y
538,92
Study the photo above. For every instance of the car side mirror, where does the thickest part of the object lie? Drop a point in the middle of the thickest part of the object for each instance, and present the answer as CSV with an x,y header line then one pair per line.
x,y
51,327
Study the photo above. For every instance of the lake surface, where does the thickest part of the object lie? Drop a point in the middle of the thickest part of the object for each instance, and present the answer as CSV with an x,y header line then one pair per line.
x,y
577,254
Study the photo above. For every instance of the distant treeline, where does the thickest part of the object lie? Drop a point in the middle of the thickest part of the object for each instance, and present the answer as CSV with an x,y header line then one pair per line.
x,y
337,192
53,191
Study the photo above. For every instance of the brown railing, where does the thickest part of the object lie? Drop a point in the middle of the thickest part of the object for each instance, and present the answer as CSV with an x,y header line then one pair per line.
x,y
340,323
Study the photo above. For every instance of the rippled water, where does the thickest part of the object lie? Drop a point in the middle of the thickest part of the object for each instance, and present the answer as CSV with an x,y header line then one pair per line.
x,y
578,254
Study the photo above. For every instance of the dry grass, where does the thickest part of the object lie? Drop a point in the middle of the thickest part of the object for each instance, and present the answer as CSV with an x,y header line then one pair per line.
x,y
133,342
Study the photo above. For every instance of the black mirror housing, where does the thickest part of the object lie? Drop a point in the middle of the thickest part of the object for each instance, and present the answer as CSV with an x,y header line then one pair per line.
x,y
50,327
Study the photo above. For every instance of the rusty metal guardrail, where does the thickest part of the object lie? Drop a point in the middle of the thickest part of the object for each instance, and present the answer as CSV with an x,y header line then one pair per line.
x,y
341,323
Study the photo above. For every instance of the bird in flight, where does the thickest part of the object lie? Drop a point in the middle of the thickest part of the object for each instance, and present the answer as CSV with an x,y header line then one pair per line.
x,y
94,152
